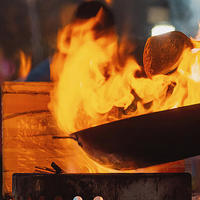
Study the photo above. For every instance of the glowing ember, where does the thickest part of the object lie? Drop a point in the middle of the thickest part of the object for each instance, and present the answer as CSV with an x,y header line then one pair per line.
x,y
95,86
25,65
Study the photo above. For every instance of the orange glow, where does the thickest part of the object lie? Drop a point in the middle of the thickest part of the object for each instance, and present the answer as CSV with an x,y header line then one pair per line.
x,y
109,2
25,65
94,85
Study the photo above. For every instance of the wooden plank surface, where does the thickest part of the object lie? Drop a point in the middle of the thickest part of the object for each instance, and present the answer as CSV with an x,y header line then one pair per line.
x,y
20,97
28,128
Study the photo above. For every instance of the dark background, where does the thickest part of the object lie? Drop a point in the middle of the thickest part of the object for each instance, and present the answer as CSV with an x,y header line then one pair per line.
x,y
32,25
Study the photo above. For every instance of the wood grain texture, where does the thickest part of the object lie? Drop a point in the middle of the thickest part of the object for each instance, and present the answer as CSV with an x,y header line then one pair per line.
x,y
20,97
28,127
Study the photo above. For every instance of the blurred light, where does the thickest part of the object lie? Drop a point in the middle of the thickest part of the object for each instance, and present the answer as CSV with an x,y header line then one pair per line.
x,y
161,29
77,198
109,2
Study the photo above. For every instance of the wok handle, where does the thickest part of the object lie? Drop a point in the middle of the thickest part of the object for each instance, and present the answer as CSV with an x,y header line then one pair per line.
x,y
72,136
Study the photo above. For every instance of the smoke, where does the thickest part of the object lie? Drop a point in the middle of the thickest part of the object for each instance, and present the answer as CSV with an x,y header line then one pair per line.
x,y
185,15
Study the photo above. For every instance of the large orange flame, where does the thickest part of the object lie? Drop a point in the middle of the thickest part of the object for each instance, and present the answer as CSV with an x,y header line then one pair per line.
x,y
94,87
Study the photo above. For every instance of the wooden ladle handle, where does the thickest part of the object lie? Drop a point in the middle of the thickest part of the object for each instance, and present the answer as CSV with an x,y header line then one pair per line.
x,y
162,53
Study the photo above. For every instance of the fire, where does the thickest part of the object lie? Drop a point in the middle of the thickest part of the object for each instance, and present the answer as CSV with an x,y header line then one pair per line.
x,y
96,83
25,65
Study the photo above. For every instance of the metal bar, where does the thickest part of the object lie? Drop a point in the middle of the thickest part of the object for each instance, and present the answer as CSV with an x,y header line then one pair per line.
x,y
108,186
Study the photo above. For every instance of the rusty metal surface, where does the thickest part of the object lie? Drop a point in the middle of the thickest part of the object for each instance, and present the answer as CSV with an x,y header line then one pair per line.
x,y
160,186
145,140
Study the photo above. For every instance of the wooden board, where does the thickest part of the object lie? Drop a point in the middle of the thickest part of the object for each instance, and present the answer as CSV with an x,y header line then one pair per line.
x,y
28,127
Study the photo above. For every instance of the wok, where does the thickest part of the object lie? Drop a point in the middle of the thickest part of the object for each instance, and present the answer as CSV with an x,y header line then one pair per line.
x,y
145,140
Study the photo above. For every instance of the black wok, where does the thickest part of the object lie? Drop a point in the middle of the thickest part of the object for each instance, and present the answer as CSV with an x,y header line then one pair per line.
x,y
145,140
